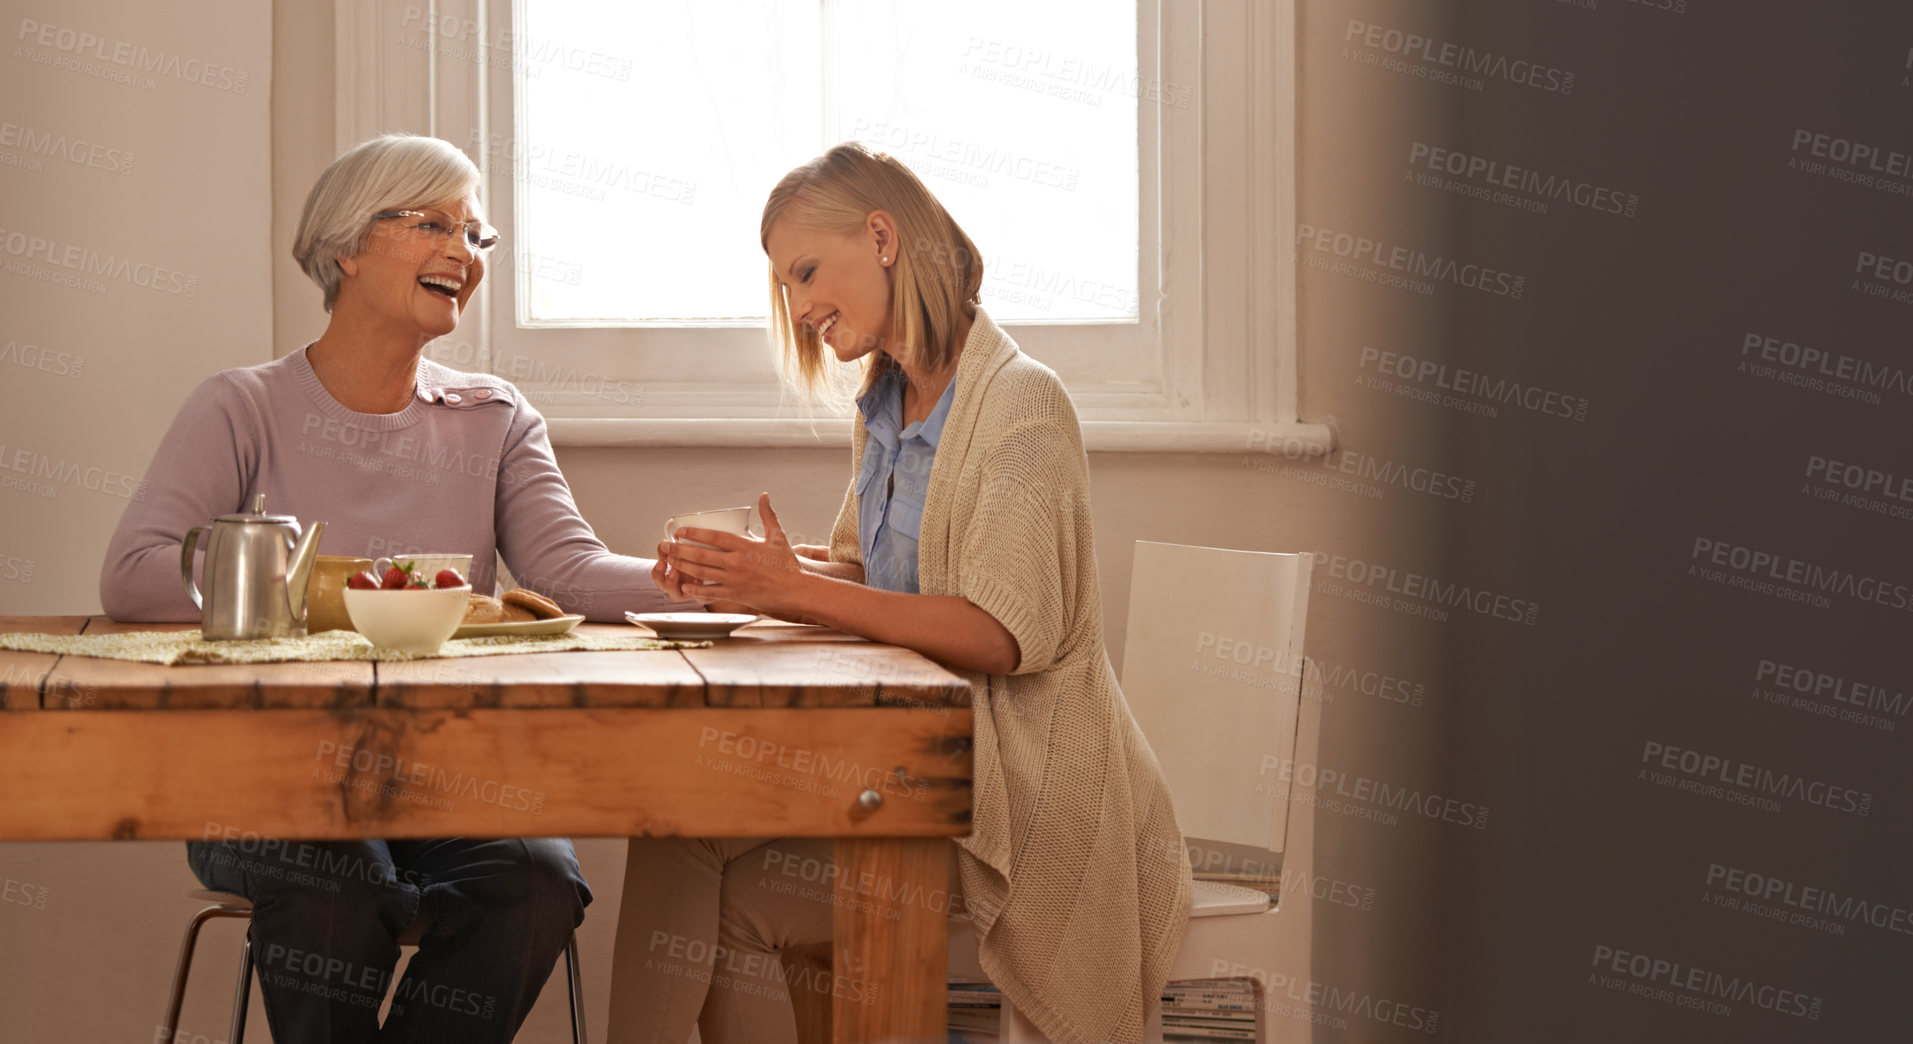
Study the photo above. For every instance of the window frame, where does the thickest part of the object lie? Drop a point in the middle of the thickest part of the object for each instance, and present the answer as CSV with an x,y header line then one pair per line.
x,y
1210,367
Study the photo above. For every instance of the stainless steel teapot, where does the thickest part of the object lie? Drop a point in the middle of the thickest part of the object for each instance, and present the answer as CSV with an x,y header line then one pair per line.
x,y
257,568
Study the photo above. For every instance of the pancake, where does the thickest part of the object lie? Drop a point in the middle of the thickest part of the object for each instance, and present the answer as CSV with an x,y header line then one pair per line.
x,y
484,609
540,607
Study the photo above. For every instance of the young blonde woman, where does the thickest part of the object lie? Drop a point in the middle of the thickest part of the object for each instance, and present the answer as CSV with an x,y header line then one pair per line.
x,y
965,535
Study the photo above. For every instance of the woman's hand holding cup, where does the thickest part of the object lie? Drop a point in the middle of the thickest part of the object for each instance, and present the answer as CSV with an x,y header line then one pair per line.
x,y
683,589
761,573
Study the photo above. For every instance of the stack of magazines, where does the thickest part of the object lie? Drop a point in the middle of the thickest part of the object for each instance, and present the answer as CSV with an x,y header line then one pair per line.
x,y
1198,1011
975,1010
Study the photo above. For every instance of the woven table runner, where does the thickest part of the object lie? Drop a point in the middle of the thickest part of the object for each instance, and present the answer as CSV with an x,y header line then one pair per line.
x,y
174,648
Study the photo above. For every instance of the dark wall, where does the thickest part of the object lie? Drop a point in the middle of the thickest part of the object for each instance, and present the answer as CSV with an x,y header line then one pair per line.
x,y
1684,844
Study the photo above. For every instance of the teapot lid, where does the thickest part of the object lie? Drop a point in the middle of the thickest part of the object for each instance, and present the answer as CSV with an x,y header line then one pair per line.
x,y
259,515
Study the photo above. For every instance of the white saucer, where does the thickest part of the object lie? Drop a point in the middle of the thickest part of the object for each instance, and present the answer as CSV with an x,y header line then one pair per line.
x,y
520,628
690,627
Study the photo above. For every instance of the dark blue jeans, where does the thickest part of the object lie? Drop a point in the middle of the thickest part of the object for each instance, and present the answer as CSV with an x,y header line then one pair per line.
x,y
327,916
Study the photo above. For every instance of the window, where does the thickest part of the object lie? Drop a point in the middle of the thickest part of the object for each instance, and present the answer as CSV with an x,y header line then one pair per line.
x,y
1023,140
628,148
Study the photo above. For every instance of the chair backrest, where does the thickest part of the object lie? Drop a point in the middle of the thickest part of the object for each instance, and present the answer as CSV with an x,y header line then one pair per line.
x,y
1212,672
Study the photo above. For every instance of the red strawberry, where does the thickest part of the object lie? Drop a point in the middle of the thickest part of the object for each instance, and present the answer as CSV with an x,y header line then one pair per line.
x,y
448,578
394,578
362,581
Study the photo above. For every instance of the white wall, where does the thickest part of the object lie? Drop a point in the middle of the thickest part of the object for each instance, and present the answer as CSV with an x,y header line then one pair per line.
x,y
135,142
163,183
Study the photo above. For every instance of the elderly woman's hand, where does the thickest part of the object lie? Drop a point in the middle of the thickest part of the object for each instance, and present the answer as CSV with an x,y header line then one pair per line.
x,y
762,573
670,581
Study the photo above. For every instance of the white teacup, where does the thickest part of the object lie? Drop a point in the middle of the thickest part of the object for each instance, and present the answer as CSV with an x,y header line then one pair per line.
x,y
725,520
426,565
735,520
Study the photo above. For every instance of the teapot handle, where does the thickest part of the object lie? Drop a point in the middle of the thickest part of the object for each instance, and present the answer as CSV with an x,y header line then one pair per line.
x,y
186,565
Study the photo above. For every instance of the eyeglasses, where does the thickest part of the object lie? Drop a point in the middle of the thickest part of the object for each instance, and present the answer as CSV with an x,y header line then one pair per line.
x,y
437,227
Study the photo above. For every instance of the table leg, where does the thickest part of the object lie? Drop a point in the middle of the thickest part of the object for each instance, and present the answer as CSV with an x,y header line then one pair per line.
x,y
891,931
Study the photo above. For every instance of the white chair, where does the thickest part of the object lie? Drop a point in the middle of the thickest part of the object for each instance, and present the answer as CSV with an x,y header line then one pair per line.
x,y
1212,672
229,904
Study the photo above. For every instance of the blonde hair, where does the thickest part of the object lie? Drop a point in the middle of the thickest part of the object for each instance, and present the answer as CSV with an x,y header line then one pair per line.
x,y
392,172
938,272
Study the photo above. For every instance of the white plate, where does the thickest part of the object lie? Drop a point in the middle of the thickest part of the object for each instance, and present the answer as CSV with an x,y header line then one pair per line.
x,y
691,627
520,628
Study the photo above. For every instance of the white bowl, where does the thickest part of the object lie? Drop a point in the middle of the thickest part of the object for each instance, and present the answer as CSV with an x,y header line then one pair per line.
x,y
410,621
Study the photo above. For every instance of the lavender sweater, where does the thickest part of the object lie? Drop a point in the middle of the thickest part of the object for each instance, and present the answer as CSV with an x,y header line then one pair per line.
x,y
465,468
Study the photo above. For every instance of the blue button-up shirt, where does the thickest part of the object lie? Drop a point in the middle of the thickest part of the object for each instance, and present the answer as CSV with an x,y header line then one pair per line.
x,y
893,481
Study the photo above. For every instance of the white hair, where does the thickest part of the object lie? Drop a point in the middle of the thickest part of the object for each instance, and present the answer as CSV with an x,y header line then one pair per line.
x,y
391,172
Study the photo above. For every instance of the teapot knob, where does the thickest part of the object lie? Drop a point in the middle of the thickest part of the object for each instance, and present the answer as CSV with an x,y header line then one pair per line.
x,y
259,504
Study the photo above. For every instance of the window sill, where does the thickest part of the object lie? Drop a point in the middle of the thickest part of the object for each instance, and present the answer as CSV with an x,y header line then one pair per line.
x,y
1293,439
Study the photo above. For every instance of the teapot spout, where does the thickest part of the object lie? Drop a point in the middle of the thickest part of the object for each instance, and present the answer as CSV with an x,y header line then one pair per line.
x,y
299,573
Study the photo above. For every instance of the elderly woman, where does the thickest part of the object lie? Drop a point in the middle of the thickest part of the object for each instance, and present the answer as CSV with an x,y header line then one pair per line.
x,y
965,535
396,454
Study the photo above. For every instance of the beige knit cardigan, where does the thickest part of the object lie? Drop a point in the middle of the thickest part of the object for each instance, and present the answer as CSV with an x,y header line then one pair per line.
x,y
1075,870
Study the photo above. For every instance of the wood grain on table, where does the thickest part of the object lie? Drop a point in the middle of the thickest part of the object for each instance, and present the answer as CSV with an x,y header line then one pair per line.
x,y
768,664
22,674
527,680
390,773
92,683
780,730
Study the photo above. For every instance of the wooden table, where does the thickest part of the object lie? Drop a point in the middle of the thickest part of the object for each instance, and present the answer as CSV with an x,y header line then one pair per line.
x,y
781,730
